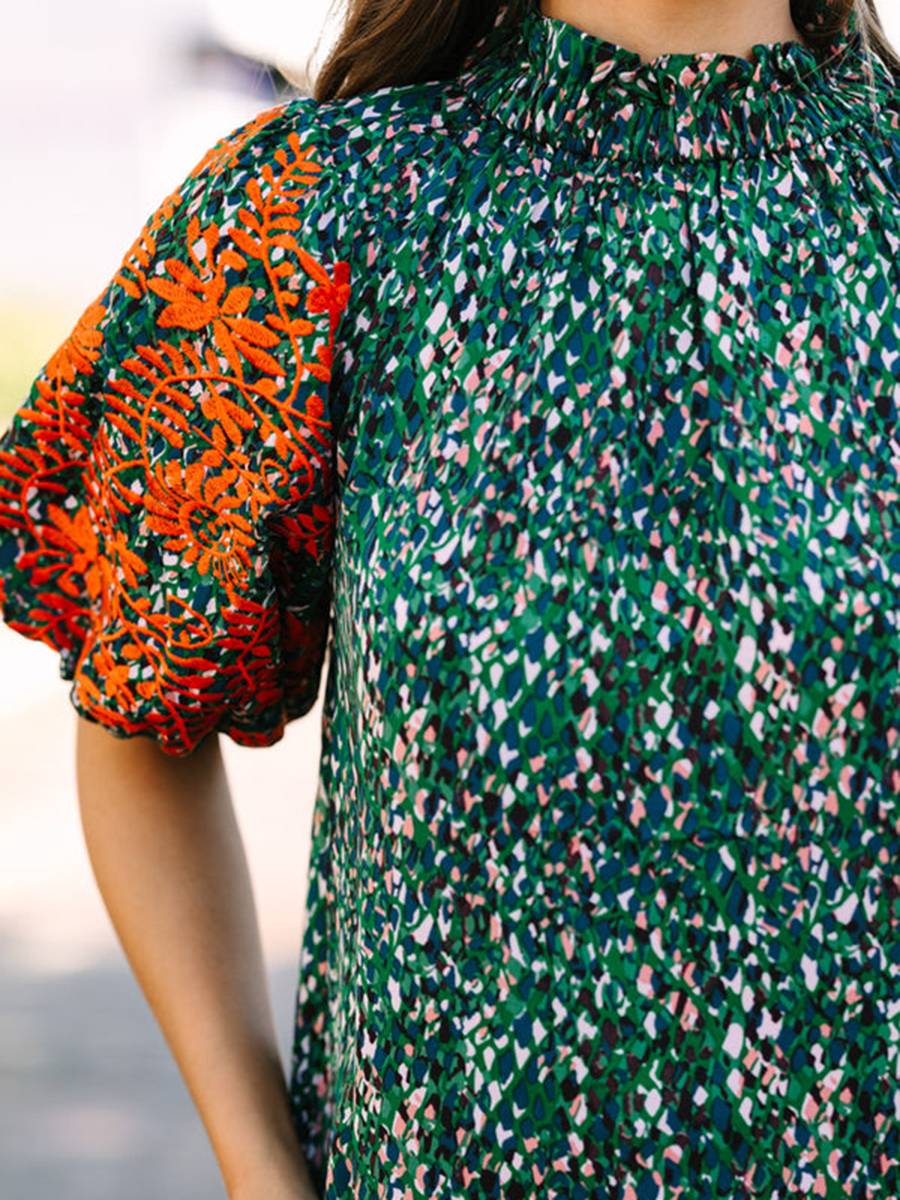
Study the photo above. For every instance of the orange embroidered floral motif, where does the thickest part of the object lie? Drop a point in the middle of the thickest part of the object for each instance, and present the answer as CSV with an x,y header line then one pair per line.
x,y
312,532
142,504
332,293
201,297
201,520
226,153
225,414
77,536
130,566
81,350
132,275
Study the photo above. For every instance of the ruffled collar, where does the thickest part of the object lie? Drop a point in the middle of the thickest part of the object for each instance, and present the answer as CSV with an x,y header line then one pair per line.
x,y
566,88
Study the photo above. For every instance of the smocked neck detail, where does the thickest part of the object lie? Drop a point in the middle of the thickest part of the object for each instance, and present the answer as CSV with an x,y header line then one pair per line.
x,y
568,88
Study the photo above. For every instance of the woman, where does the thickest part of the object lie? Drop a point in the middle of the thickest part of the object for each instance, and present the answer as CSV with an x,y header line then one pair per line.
x,y
550,375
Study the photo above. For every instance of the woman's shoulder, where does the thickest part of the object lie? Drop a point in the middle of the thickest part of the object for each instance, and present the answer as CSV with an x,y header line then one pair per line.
x,y
347,155
356,131
329,160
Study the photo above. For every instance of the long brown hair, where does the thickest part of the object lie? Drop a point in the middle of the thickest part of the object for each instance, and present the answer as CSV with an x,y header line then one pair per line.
x,y
391,42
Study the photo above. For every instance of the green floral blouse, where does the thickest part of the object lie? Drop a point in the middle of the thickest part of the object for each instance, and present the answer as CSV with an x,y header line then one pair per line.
x,y
559,399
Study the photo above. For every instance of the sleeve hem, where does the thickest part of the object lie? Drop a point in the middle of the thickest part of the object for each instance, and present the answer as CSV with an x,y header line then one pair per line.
x,y
182,746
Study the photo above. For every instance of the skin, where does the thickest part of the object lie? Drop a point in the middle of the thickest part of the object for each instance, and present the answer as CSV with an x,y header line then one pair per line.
x,y
161,832
654,27
169,862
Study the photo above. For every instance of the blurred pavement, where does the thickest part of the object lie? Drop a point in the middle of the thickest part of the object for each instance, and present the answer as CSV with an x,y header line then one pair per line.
x,y
91,1104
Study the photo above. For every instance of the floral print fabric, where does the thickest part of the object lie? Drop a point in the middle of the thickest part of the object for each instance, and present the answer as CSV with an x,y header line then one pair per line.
x,y
165,494
561,399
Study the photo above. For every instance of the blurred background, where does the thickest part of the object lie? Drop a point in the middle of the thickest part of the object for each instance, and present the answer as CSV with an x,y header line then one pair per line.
x,y
104,108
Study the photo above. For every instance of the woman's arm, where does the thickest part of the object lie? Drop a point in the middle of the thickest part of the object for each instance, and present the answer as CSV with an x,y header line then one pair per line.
x,y
169,861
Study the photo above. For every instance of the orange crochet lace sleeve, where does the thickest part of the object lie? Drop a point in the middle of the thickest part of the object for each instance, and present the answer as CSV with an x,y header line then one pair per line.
x,y
166,508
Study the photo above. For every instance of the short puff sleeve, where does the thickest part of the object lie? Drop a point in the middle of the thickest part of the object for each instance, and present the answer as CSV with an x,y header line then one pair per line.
x,y
166,500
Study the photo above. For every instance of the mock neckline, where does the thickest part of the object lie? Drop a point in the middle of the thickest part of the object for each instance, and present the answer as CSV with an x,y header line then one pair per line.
x,y
567,88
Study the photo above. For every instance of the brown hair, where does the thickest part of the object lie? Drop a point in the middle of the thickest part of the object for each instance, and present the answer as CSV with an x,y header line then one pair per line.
x,y
392,42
